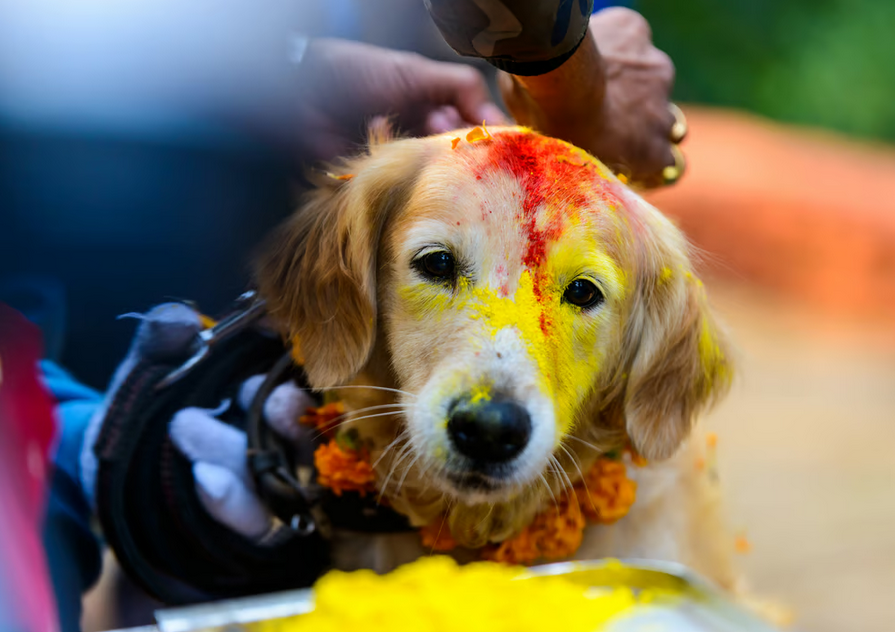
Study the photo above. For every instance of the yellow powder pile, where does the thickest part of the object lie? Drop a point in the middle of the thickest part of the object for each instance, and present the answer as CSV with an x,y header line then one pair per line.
x,y
436,594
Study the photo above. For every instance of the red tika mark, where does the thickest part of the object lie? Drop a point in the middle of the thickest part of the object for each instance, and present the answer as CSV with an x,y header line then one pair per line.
x,y
556,183
551,176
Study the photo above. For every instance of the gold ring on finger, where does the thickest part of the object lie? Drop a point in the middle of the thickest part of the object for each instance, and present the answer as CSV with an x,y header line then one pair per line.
x,y
673,173
679,128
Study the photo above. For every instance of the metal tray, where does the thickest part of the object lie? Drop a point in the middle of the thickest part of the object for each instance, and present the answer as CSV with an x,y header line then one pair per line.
x,y
696,606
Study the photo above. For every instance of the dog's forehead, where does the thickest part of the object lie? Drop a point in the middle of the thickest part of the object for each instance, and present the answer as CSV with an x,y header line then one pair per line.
x,y
534,179
552,173
515,188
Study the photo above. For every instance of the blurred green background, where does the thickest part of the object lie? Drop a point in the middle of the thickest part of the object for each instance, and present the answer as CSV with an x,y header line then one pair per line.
x,y
828,63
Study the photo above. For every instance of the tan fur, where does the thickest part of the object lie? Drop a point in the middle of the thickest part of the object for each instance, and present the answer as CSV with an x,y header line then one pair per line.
x,y
330,278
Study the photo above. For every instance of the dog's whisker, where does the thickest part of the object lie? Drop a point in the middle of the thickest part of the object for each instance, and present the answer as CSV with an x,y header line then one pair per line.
x,y
407,469
366,409
355,419
549,490
585,443
382,488
487,515
444,520
574,462
583,479
567,484
352,416
395,463
402,435
428,479
373,388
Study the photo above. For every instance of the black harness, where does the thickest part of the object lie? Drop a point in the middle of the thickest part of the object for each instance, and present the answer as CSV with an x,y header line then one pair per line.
x,y
146,495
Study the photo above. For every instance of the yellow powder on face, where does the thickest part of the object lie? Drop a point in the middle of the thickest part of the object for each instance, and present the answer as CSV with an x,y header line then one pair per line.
x,y
665,275
714,363
560,339
480,393
437,595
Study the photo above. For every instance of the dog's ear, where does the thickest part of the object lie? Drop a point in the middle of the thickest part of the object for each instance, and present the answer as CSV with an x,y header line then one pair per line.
x,y
318,274
680,358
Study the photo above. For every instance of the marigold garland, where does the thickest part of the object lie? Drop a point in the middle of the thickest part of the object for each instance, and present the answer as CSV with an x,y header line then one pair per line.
x,y
323,418
603,496
437,536
343,470
606,493
553,534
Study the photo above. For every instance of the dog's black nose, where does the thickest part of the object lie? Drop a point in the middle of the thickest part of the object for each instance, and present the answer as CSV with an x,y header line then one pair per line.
x,y
489,431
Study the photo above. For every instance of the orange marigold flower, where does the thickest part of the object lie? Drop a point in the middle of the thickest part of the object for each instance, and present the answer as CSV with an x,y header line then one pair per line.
x,y
455,142
554,534
606,493
636,459
437,536
479,133
343,470
323,418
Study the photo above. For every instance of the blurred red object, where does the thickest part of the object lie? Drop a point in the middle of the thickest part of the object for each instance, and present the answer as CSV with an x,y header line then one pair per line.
x,y
27,429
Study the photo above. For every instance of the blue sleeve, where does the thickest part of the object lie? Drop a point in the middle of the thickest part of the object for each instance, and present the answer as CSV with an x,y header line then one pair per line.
x,y
73,551
599,5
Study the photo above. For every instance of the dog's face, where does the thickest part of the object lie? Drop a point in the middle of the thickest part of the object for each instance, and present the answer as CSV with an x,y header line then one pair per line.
x,y
505,291
516,294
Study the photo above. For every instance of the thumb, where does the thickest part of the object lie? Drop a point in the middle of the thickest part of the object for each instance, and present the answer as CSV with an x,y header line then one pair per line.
x,y
201,437
229,501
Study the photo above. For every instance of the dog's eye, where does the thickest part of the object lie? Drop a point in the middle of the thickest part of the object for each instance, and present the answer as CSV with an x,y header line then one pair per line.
x,y
583,293
439,265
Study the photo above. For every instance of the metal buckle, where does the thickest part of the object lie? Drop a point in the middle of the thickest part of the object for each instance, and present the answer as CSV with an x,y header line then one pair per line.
x,y
239,320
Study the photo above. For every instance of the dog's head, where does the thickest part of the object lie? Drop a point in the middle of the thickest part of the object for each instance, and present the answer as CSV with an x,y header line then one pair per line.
x,y
515,292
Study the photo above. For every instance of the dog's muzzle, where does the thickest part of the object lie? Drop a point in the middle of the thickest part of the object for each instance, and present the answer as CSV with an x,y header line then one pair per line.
x,y
489,432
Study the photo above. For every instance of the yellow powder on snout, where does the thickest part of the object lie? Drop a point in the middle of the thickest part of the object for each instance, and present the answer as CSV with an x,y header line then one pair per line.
x,y
435,594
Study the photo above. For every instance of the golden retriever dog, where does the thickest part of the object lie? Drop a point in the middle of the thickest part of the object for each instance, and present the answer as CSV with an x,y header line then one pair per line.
x,y
513,311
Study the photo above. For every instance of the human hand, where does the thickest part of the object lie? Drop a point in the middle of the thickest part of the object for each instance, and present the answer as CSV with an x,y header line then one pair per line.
x,y
218,453
343,85
616,107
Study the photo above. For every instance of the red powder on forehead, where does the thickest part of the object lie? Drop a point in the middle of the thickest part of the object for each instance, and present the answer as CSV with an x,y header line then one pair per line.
x,y
556,183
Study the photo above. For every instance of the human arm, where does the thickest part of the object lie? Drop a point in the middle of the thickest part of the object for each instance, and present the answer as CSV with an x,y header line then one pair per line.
x,y
594,80
219,68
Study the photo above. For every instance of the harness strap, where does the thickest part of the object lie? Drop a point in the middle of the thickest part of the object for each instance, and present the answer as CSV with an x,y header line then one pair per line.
x,y
146,498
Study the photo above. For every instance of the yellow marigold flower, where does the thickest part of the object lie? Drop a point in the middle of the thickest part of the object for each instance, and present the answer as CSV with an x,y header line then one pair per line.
x,y
435,594
343,470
